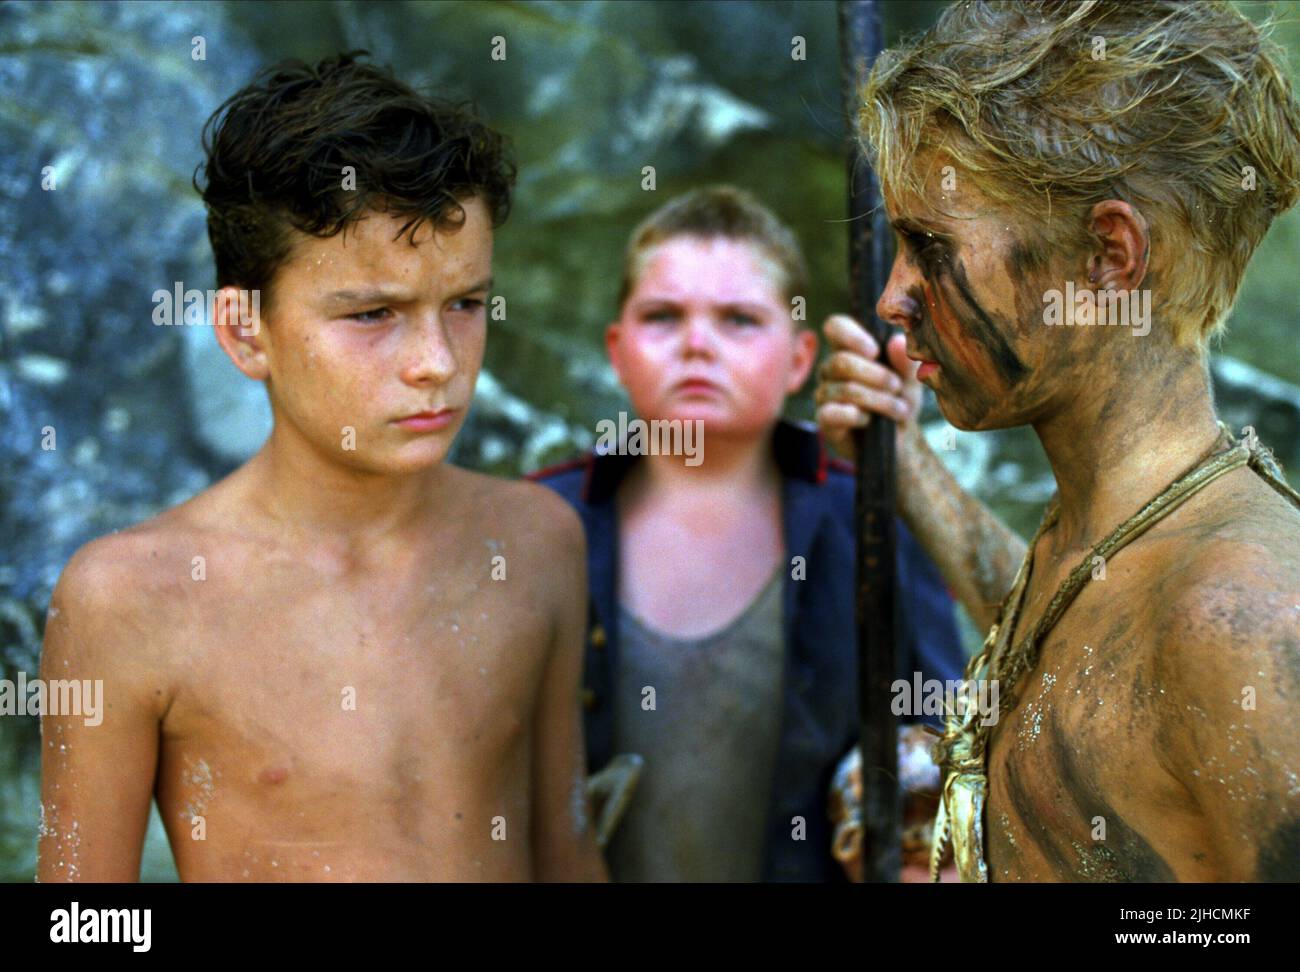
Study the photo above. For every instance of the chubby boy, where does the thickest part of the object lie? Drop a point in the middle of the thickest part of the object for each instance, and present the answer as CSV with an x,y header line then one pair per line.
x,y
347,660
722,580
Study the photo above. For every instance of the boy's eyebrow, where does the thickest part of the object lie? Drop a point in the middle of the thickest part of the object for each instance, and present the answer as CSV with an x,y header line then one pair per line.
x,y
362,296
906,224
752,307
484,284
382,295
749,307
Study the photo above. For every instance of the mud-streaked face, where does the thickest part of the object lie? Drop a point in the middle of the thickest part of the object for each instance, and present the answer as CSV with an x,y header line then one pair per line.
x,y
968,288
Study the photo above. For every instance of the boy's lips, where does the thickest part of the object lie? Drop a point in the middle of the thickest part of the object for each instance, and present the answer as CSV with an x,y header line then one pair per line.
x,y
928,366
916,355
427,421
696,385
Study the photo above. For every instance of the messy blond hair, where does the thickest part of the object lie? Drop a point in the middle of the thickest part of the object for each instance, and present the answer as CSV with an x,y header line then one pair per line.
x,y
718,211
1186,103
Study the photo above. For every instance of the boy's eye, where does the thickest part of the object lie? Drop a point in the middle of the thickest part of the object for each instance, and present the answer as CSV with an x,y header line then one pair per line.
x,y
467,304
371,316
744,320
661,316
919,243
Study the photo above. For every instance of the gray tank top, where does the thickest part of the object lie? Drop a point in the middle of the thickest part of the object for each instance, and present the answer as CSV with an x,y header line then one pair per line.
x,y
709,744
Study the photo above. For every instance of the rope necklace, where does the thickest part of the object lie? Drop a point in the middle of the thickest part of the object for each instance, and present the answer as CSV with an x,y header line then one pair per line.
x,y
961,752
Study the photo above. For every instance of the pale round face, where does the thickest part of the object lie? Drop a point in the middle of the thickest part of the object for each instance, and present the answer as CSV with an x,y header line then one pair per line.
x,y
372,335
706,334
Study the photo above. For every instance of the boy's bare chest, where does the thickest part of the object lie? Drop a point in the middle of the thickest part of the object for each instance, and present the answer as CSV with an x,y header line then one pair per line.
x,y
1075,790
366,680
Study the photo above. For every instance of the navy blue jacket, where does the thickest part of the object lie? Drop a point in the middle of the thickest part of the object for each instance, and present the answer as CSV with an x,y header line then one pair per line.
x,y
820,718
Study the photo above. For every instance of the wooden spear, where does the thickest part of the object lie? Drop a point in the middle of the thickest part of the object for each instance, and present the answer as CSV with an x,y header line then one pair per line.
x,y
860,42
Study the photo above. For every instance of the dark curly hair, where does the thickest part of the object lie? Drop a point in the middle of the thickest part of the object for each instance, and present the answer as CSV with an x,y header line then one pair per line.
x,y
275,152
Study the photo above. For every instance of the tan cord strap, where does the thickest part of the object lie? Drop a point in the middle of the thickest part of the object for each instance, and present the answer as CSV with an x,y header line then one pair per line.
x,y
961,751
1173,496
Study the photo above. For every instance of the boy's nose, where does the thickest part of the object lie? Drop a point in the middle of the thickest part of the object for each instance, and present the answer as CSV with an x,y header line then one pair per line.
x,y
430,358
698,337
898,304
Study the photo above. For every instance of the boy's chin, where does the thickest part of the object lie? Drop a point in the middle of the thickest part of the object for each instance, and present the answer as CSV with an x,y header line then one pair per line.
x,y
727,426
405,460
961,419
416,457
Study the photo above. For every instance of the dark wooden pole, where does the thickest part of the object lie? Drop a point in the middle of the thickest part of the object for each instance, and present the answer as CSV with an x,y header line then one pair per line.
x,y
860,42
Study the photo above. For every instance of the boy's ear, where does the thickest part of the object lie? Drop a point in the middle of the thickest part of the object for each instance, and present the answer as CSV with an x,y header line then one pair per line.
x,y
238,323
612,333
1123,241
805,356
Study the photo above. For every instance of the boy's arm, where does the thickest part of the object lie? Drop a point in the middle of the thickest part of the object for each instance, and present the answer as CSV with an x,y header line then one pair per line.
x,y
563,837
97,764
931,642
1229,663
975,551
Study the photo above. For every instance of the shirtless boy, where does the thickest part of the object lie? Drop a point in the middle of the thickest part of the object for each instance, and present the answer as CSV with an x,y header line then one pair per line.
x,y
1151,732
348,660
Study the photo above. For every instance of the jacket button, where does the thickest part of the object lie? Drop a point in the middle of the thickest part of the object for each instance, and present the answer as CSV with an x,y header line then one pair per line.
x,y
588,699
597,636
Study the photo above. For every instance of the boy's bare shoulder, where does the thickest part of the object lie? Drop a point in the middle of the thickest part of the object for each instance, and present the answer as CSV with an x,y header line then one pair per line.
x,y
537,517
1225,623
128,581
1228,606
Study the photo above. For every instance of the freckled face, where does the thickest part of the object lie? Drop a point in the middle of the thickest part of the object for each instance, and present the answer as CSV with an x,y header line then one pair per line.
x,y
706,335
969,292
368,331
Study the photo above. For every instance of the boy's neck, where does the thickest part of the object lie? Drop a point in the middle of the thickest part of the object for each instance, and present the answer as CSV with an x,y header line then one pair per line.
x,y
743,465
311,495
1115,447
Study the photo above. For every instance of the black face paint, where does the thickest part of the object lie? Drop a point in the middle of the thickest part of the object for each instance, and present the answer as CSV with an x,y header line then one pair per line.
x,y
1026,260
978,365
1004,357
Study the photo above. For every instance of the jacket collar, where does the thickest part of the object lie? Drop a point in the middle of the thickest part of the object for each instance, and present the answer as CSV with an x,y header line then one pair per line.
x,y
800,455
